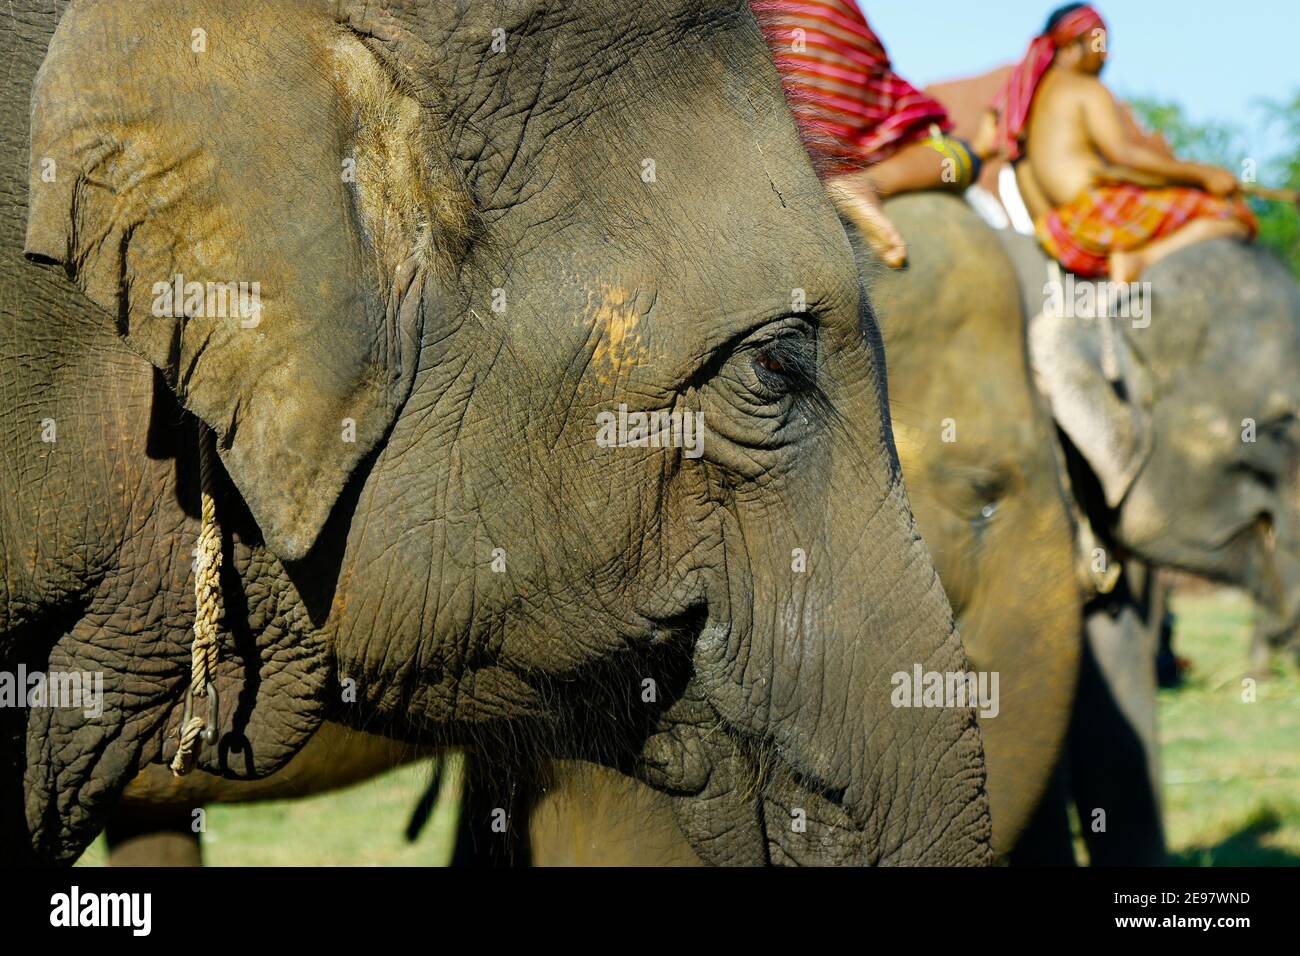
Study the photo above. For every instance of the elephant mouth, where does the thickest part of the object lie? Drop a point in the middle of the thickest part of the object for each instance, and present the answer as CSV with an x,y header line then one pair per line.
x,y
1244,554
1257,562
1272,588
739,804
767,742
736,799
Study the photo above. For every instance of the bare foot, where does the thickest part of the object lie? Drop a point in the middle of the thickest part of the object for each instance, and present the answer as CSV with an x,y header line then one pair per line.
x,y
985,143
855,198
1126,266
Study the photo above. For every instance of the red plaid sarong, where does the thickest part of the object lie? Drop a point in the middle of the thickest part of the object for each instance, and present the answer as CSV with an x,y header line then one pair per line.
x,y
1105,219
852,108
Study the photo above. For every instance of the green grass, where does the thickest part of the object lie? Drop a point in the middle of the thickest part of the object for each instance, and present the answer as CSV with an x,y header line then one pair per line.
x,y
360,826
1231,772
1231,769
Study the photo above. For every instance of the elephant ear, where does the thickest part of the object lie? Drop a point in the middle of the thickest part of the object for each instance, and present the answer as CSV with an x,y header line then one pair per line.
x,y
237,155
1096,384
1099,393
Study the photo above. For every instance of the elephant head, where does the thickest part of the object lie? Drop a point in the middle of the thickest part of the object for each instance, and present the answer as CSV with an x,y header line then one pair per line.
x,y
473,241
978,455
977,449
1182,416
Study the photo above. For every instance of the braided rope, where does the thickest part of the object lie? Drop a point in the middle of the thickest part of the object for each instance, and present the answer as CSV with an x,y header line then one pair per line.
x,y
207,600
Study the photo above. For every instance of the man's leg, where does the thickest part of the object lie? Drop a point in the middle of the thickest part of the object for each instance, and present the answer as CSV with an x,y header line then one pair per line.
x,y
856,198
915,167
1127,266
858,195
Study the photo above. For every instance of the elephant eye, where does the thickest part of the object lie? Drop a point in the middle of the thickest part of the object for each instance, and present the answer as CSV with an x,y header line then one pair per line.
x,y
777,372
975,493
1260,475
787,363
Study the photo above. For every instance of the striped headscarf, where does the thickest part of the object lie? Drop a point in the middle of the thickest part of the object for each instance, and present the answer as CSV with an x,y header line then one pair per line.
x,y
1015,99
852,108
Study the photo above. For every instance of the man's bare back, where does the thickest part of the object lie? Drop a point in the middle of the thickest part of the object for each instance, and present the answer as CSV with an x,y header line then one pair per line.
x,y
1060,153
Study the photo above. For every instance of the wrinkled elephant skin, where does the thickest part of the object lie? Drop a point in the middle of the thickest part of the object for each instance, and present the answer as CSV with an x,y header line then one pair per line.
x,y
455,268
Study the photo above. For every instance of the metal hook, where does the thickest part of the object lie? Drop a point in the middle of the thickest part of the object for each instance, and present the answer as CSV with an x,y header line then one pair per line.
x,y
210,730
214,705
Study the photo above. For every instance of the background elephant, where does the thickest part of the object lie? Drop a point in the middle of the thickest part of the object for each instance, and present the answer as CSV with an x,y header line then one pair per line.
x,y
976,444
1277,630
1180,432
463,259
977,451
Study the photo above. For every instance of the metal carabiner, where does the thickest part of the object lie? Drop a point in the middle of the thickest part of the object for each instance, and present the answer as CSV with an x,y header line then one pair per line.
x,y
210,724
210,729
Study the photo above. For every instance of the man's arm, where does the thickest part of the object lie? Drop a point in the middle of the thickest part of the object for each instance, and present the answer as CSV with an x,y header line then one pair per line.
x,y
1106,129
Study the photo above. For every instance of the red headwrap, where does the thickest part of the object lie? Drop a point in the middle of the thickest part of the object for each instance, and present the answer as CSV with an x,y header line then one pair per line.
x,y
1013,102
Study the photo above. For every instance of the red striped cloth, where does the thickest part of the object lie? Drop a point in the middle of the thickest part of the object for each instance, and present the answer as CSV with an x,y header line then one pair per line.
x,y
852,108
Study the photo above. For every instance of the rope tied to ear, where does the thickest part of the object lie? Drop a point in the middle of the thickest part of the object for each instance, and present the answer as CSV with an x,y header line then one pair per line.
x,y
207,600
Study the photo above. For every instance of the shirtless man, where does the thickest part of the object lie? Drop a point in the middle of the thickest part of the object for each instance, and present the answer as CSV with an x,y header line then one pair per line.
x,y
870,133
1076,139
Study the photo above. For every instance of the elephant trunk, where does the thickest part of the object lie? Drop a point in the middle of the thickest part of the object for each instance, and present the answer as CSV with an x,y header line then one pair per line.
x,y
822,675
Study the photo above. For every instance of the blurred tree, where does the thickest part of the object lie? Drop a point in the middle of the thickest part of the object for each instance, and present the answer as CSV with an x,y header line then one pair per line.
x,y
1224,144
1280,225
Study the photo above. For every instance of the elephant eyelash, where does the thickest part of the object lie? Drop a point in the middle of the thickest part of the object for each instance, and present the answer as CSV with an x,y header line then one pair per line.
x,y
984,484
788,364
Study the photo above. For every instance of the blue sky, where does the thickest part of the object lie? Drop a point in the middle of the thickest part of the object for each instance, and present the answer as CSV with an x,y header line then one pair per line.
x,y
1216,59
